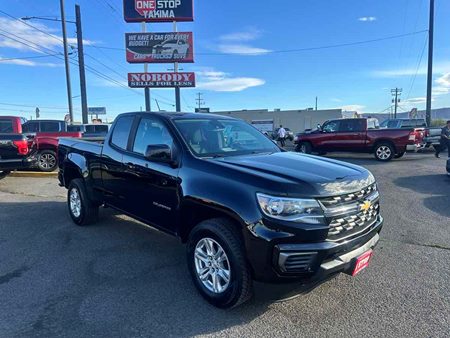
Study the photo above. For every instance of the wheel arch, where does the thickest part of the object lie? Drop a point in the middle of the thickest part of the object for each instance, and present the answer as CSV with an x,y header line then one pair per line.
x,y
193,212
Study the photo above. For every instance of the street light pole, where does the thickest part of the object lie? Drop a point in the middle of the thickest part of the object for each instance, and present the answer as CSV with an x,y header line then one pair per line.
x,y
66,60
84,105
430,63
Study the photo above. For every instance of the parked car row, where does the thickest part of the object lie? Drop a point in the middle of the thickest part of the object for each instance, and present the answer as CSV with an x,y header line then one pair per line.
x,y
42,137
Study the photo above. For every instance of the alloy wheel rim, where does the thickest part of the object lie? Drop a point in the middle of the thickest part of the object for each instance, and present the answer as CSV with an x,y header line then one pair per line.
x,y
212,265
75,202
47,161
303,148
383,152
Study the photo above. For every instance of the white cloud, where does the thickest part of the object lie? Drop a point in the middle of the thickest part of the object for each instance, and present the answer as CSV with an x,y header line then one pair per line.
x,y
444,80
416,100
248,35
19,30
353,107
242,49
218,81
367,18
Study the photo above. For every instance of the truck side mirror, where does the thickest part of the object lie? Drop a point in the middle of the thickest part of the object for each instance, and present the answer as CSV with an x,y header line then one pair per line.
x,y
319,127
159,153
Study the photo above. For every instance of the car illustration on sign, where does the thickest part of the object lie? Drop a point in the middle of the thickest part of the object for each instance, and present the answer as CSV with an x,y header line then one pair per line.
x,y
175,49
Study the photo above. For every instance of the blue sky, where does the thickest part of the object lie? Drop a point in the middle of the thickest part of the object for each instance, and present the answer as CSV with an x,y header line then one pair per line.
x,y
238,60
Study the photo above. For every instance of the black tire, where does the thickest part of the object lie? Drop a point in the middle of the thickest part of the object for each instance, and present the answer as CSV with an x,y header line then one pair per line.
x,y
47,161
88,213
399,155
384,151
224,233
304,147
3,174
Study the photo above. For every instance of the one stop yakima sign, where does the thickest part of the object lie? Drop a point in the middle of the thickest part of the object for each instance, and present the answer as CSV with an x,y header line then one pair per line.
x,y
161,80
158,10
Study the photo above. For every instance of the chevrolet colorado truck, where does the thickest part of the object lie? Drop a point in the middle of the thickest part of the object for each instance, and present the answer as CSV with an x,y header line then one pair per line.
x,y
356,135
15,153
246,209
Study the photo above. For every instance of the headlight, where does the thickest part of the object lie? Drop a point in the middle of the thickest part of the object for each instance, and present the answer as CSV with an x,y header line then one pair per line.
x,y
291,209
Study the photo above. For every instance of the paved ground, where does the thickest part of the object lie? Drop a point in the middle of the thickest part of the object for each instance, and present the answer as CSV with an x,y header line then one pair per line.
x,y
118,278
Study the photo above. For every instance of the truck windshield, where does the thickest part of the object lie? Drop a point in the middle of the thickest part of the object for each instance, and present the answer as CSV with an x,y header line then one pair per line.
x,y
217,138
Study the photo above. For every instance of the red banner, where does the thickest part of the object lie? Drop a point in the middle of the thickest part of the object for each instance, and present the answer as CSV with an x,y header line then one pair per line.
x,y
159,47
161,80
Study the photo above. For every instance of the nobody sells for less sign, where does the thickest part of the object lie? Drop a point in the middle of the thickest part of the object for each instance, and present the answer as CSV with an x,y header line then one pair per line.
x,y
161,80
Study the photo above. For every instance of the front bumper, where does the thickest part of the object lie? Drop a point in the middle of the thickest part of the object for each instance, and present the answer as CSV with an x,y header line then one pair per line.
x,y
280,259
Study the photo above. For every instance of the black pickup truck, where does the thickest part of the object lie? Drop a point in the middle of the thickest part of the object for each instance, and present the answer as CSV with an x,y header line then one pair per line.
x,y
15,153
247,209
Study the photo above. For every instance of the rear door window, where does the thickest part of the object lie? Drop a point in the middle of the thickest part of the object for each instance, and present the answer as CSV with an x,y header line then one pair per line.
x,y
352,126
50,126
6,126
121,132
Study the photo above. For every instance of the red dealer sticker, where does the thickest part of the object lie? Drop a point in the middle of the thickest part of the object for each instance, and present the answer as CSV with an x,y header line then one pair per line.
x,y
161,80
362,262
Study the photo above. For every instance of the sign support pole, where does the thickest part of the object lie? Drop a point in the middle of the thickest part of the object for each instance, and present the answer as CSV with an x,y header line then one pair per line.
x,y
175,69
84,104
148,106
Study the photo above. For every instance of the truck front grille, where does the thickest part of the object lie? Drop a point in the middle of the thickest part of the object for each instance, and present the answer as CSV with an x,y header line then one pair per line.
x,y
351,214
348,198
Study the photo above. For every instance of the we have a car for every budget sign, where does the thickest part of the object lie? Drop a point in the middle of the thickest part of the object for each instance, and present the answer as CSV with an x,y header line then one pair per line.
x,y
161,80
158,10
159,47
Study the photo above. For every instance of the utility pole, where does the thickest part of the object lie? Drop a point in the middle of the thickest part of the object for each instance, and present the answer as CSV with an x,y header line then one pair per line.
x,y
84,105
66,60
430,62
200,101
396,93
148,106
177,89
316,102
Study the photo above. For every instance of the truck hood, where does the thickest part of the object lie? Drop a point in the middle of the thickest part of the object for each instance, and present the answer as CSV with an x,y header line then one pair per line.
x,y
300,173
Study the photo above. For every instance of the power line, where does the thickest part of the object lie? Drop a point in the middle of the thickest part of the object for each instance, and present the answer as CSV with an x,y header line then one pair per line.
x,y
417,69
28,57
30,106
302,49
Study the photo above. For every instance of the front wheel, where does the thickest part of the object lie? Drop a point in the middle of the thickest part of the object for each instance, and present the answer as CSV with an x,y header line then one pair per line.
x,y
216,261
81,209
3,174
384,152
47,161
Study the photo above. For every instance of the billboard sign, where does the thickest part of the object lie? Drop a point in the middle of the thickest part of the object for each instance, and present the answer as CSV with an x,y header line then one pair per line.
x,y
158,10
97,110
159,47
161,80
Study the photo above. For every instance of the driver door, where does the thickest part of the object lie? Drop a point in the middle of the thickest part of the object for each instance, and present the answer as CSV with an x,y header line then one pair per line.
x,y
152,187
329,136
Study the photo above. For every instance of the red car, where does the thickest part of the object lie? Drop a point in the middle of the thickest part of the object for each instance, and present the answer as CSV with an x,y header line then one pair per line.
x,y
356,135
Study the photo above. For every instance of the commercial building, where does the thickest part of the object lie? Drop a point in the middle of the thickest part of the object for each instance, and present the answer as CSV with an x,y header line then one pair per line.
x,y
296,120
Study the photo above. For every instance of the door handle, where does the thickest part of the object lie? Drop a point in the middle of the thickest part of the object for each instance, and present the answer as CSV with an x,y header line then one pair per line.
x,y
130,165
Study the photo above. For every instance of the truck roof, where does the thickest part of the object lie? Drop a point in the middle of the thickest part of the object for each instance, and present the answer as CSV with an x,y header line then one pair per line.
x,y
176,115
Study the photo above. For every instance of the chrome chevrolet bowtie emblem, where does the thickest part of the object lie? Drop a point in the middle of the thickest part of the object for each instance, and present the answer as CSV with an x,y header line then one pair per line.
x,y
365,206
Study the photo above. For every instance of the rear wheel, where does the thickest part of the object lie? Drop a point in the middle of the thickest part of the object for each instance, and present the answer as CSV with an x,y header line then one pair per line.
x,y
304,147
47,160
3,174
399,155
81,209
216,261
384,152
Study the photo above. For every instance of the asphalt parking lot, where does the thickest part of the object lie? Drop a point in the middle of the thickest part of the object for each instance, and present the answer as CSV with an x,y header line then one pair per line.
x,y
119,278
